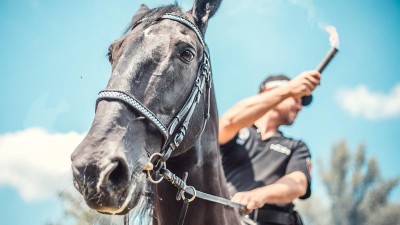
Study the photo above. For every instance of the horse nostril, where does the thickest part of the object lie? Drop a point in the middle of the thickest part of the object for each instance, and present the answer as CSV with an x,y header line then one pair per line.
x,y
120,174
115,175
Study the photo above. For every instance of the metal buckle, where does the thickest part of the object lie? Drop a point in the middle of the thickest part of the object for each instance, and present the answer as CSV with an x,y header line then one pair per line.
x,y
163,164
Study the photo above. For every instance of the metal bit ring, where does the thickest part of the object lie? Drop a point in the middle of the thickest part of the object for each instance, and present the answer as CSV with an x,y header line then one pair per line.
x,y
163,164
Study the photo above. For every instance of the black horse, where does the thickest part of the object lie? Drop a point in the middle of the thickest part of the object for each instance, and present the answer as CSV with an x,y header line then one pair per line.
x,y
160,75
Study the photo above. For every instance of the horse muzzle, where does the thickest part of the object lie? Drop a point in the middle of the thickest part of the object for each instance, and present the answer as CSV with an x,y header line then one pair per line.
x,y
108,185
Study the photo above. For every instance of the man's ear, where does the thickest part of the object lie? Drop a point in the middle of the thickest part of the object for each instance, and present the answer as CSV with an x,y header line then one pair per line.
x,y
203,10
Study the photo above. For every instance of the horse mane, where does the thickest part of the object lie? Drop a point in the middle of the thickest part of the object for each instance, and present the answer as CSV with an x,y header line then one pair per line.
x,y
152,15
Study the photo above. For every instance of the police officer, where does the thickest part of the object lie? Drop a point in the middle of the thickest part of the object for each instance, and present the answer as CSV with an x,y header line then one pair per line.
x,y
265,170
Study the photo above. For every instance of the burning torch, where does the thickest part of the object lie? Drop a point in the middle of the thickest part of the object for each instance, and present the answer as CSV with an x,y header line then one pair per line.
x,y
334,41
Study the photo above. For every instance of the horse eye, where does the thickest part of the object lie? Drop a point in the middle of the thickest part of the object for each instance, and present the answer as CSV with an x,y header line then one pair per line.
x,y
109,56
187,56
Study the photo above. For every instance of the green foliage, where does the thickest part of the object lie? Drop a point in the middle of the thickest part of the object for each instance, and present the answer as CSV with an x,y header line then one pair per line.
x,y
357,193
77,213
387,215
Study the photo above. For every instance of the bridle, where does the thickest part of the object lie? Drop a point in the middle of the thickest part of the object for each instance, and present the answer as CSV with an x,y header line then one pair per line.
x,y
175,132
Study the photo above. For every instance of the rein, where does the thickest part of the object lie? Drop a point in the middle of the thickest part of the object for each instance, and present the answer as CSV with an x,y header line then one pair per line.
x,y
175,132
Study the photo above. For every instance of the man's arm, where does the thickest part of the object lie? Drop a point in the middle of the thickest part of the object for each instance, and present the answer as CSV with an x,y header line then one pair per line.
x,y
247,111
244,113
283,191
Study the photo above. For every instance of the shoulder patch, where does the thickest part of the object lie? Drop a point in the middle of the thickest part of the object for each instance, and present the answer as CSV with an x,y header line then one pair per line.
x,y
280,148
243,135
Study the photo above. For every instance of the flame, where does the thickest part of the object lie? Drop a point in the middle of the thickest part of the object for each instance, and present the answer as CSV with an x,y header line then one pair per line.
x,y
333,35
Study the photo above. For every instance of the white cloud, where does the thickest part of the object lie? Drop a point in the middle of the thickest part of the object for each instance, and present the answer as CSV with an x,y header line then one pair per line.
x,y
37,163
363,103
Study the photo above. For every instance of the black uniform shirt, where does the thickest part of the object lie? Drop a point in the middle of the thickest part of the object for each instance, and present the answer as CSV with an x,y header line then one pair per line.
x,y
249,162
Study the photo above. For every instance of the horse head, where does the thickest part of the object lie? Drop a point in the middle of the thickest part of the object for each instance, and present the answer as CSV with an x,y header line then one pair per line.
x,y
159,83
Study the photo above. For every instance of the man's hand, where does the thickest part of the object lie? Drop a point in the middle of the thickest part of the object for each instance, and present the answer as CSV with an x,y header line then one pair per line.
x,y
304,84
251,199
283,191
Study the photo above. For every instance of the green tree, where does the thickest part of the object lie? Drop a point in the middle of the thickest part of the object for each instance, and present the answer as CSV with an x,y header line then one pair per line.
x,y
76,212
357,193
313,211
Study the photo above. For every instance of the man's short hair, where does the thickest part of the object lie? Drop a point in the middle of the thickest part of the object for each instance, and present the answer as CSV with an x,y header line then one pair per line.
x,y
277,80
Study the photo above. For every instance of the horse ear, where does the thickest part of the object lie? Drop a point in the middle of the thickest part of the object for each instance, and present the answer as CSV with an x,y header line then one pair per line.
x,y
203,10
143,9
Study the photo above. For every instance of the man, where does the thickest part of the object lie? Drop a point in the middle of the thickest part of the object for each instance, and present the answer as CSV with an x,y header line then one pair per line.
x,y
265,170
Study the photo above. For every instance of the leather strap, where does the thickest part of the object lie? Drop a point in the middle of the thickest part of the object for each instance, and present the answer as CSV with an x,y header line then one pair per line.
x,y
181,185
183,212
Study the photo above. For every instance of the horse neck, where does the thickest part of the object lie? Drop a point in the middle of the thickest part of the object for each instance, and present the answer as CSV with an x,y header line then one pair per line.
x,y
204,166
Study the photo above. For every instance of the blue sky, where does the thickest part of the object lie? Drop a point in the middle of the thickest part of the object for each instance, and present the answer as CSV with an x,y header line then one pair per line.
x,y
53,64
